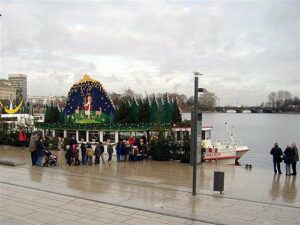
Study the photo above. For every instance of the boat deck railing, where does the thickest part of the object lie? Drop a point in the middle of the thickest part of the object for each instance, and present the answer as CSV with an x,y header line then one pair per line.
x,y
226,142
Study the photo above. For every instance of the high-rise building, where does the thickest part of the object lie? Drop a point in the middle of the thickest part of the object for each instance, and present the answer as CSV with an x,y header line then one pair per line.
x,y
6,90
19,82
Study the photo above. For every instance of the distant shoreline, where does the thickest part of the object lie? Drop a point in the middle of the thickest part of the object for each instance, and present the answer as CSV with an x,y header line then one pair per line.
x,y
291,112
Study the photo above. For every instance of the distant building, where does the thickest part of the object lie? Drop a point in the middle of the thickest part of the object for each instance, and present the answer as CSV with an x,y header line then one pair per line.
x,y
7,91
19,82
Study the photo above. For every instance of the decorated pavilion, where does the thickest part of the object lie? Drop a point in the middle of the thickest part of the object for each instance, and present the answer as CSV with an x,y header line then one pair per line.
x,y
91,116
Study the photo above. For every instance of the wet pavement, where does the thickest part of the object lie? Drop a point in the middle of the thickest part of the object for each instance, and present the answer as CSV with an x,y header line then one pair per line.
x,y
147,192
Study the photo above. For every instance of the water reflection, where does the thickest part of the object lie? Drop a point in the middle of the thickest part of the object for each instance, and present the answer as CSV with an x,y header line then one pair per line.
x,y
289,191
35,175
275,190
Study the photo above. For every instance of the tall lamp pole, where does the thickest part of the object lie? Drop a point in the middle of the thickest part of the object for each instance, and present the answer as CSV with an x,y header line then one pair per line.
x,y
194,121
196,134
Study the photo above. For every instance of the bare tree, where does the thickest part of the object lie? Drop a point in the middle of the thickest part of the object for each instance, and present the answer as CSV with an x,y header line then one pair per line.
x,y
272,99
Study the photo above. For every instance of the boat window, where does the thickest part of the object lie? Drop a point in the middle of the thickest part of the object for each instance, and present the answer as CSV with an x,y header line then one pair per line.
x,y
178,135
203,135
82,135
208,135
124,135
70,134
94,136
59,133
109,135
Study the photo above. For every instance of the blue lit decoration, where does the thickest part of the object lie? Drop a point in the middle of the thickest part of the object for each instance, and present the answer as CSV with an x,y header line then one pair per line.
x,y
88,102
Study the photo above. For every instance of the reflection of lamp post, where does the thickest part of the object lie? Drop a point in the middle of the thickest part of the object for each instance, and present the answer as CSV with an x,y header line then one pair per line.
x,y
196,121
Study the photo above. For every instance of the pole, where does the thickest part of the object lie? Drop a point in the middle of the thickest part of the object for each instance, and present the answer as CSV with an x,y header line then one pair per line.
x,y
195,136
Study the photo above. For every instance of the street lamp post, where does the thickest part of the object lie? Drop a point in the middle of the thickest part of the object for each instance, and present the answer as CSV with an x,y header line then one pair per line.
x,y
196,118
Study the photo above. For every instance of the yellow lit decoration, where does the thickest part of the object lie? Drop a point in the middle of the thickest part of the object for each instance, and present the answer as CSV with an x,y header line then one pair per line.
x,y
12,111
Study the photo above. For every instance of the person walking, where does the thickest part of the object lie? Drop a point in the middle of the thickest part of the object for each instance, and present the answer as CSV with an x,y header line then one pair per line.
x,y
288,159
33,147
40,151
295,159
276,152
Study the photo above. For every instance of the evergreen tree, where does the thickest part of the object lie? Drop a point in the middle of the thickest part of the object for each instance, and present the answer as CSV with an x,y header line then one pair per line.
x,y
124,112
144,110
61,118
166,110
134,109
176,112
154,111
51,114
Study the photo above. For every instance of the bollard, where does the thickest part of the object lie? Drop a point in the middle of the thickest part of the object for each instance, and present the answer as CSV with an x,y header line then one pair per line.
x,y
219,181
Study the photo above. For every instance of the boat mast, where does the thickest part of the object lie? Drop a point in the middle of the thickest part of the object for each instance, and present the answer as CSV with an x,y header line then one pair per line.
x,y
230,134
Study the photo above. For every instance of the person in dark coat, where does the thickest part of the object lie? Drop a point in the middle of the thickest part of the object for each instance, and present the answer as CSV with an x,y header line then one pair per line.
x,y
83,153
123,151
97,153
295,160
118,150
69,155
40,151
276,152
288,159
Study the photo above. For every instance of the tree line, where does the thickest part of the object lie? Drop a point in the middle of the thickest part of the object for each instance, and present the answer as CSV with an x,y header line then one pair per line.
x,y
130,109
282,101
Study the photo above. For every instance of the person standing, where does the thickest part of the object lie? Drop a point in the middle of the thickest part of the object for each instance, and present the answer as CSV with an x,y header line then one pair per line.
x,y
83,153
33,147
89,154
40,151
123,151
22,138
118,150
102,152
276,152
288,159
97,154
109,150
295,159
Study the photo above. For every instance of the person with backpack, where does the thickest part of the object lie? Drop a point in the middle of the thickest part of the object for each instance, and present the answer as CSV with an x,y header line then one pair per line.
x,y
32,148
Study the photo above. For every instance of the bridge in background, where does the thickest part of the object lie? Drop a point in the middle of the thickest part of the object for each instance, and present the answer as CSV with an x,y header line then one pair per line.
x,y
240,109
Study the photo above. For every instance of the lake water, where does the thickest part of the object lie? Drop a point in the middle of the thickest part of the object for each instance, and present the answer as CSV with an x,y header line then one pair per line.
x,y
258,131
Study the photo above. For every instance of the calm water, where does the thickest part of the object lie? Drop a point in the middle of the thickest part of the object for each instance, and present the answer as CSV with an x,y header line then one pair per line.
x,y
258,131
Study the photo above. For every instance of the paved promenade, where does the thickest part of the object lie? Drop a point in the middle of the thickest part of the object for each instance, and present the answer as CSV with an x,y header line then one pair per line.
x,y
145,192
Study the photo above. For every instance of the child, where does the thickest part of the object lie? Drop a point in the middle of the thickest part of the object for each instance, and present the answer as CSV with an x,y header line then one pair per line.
x,y
89,154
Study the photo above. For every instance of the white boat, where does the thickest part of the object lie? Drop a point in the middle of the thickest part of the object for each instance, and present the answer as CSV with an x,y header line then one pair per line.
x,y
225,151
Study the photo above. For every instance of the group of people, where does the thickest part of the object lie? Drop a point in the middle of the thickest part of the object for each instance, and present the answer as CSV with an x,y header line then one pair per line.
x,y
132,149
290,156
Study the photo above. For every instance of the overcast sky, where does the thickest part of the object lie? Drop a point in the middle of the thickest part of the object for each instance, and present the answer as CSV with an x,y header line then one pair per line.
x,y
245,49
